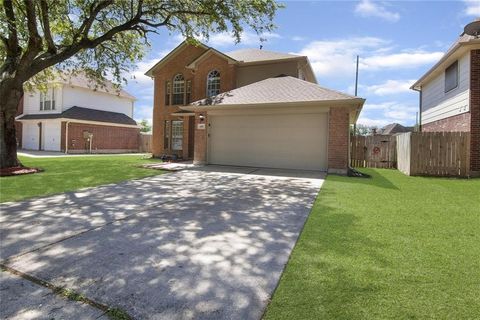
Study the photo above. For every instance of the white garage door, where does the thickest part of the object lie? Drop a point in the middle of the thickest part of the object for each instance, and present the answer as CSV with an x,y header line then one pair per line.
x,y
30,134
291,141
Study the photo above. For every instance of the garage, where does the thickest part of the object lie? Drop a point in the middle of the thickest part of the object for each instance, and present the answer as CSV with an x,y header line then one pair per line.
x,y
276,140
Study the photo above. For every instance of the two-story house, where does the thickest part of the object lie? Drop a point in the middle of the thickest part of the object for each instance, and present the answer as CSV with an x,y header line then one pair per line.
x,y
450,94
76,116
249,107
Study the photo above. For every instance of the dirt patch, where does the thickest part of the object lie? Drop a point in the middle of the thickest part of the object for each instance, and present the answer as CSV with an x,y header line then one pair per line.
x,y
16,171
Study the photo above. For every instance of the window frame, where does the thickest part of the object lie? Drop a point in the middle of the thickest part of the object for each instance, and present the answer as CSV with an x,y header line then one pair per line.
x,y
47,96
168,92
456,74
177,135
178,90
166,134
213,83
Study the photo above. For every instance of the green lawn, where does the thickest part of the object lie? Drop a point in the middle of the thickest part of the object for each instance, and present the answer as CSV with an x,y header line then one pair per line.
x,y
390,247
71,173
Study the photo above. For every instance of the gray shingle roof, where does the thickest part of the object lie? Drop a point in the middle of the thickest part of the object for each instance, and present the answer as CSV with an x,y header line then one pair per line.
x,y
276,90
254,55
86,114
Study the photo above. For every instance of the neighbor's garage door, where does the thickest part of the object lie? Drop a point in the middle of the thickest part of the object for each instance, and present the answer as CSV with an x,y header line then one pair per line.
x,y
291,141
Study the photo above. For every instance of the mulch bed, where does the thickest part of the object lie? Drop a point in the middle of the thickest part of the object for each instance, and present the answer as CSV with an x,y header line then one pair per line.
x,y
16,171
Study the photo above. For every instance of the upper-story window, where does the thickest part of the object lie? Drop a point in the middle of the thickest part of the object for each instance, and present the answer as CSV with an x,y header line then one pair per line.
x,y
213,83
451,77
47,99
178,89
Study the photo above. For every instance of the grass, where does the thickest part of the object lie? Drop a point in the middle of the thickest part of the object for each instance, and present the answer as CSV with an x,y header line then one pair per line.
x,y
389,247
71,173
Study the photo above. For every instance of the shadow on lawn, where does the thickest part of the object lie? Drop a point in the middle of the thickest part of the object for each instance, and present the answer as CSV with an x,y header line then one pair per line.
x,y
377,179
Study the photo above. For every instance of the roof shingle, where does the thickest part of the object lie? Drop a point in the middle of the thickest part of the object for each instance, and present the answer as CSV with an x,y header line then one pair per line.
x,y
276,90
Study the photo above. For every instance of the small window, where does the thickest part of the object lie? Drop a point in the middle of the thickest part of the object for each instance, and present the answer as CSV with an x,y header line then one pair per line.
x,y
178,89
213,83
166,134
177,135
47,100
168,91
451,77
189,91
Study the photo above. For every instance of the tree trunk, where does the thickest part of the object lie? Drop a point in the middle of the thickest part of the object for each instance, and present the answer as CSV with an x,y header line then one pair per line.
x,y
11,92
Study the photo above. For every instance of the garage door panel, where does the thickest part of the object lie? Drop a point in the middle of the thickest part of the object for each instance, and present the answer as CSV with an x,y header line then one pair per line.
x,y
296,141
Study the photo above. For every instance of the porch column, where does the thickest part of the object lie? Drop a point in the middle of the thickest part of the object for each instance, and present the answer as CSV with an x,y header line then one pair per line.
x,y
201,128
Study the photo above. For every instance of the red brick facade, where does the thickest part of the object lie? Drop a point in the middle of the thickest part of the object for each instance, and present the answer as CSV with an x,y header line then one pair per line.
x,y
105,138
198,78
338,140
475,111
458,123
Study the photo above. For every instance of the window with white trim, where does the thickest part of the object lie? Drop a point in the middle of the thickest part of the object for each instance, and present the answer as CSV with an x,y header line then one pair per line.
x,y
213,83
178,89
47,99
451,77
177,134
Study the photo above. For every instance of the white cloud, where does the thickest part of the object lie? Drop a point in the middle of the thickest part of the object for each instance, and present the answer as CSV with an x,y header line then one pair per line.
x,y
390,87
406,59
368,8
388,112
298,38
472,8
336,58
225,39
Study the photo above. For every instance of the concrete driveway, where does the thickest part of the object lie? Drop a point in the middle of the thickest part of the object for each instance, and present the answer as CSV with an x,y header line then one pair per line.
x,y
206,243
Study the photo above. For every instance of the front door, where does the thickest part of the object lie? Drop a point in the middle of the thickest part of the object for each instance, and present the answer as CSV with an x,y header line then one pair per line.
x,y
191,136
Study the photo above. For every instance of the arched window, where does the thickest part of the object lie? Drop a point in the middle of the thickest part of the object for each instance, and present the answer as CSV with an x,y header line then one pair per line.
x,y
213,83
178,96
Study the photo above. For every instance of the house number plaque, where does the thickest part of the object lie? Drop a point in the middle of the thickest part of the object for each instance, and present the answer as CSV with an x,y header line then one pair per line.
x,y
201,126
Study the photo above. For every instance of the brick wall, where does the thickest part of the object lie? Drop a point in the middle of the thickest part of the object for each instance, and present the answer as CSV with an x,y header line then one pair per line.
x,y
456,123
200,149
107,138
198,77
475,111
338,140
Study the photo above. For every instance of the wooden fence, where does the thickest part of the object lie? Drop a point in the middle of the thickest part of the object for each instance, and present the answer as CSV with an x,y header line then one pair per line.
x,y
433,153
377,151
145,142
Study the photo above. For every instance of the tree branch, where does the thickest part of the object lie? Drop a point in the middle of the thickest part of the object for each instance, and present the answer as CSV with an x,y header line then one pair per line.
x,y
46,27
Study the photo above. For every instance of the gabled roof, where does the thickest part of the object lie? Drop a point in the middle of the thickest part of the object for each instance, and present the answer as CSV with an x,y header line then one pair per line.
x,y
192,65
82,81
463,41
277,90
257,55
394,128
86,114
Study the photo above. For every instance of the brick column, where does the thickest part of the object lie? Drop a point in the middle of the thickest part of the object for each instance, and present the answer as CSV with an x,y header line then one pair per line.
x,y
338,140
475,112
200,149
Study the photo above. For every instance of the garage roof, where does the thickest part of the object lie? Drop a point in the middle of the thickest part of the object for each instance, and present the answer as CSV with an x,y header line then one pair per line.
x,y
86,114
283,89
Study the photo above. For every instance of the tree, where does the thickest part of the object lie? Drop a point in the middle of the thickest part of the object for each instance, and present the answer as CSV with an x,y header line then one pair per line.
x,y
100,37
145,126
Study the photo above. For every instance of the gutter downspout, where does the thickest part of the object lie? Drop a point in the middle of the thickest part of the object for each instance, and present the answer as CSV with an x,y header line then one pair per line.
x,y
66,136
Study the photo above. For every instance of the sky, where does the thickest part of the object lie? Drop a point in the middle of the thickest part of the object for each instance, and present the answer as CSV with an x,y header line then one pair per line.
x,y
397,41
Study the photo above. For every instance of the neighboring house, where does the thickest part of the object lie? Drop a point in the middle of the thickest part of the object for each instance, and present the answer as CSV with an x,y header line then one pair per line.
x,y
249,107
394,128
450,94
75,116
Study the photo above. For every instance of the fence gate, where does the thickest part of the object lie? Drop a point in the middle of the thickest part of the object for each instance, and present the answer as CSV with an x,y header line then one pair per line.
x,y
378,151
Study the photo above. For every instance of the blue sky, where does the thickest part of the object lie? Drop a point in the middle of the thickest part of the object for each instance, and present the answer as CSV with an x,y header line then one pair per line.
x,y
397,42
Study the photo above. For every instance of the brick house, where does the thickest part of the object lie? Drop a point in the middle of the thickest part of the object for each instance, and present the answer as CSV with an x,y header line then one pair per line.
x,y
450,94
249,107
75,116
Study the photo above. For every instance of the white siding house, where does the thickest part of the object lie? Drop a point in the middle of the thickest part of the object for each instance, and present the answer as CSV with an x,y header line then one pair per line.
x,y
44,112
438,103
